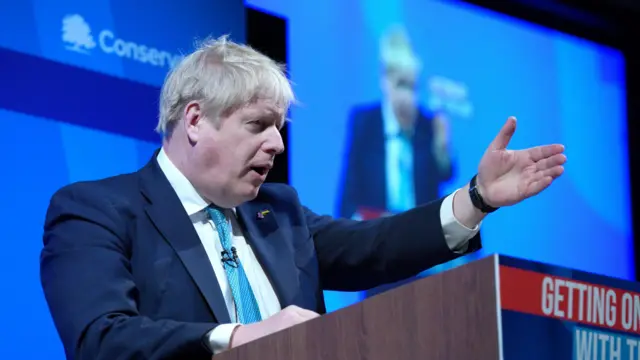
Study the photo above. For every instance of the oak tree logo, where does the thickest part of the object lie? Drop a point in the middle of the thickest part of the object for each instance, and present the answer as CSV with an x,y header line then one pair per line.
x,y
77,34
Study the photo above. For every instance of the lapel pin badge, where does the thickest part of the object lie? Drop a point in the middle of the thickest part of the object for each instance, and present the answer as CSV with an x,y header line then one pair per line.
x,y
262,213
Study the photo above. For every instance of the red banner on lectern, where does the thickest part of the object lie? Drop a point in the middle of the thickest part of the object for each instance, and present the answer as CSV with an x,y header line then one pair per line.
x,y
554,313
569,300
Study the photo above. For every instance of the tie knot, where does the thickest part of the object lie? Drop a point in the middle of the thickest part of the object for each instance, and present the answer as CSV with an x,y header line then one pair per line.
x,y
216,213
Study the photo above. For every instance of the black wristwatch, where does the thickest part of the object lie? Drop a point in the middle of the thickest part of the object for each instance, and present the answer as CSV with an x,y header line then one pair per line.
x,y
477,199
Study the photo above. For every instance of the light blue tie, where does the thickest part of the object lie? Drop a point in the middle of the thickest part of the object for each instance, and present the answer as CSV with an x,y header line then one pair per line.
x,y
406,186
246,304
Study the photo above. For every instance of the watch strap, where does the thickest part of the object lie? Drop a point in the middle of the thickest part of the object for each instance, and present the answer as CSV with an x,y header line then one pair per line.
x,y
476,198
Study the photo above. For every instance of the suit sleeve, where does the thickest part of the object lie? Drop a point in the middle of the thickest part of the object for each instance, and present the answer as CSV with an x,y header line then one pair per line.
x,y
359,255
89,287
350,182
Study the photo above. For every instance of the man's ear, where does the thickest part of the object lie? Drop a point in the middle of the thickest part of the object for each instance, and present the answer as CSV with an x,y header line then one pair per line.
x,y
192,118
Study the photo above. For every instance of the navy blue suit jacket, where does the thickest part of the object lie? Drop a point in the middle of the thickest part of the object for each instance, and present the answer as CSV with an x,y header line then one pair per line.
x,y
126,276
364,180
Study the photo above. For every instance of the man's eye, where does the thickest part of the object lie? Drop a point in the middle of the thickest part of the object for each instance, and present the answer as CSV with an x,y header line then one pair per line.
x,y
256,124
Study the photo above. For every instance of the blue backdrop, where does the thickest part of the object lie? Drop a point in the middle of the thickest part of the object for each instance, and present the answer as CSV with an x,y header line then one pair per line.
x,y
79,97
562,89
79,101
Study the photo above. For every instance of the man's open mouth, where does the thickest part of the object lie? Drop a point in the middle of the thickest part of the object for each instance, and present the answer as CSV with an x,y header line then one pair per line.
x,y
261,170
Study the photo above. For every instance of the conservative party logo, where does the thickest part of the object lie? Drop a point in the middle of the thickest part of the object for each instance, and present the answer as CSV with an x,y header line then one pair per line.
x,y
77,35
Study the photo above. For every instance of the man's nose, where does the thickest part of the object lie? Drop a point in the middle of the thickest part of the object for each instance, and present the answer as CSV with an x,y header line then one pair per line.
x,y
274,144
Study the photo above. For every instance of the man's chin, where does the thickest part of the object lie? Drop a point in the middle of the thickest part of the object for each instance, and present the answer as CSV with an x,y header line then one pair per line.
x,y
239,195
251,192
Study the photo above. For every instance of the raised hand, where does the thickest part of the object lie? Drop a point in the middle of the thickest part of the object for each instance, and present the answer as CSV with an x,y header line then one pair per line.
x,y
506,177
440,133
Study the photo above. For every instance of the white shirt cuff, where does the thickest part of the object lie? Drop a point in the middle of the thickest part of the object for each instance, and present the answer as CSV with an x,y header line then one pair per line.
x,y
456,235
220,337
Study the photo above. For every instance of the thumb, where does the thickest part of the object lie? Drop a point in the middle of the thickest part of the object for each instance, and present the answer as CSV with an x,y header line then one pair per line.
x,y
504,136
306,314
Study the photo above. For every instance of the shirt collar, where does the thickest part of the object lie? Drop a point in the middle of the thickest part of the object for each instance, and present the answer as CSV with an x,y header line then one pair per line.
x,y
189,197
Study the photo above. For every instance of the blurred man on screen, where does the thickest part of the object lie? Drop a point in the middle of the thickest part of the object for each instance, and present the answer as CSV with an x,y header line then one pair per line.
x,y
193,254
397,154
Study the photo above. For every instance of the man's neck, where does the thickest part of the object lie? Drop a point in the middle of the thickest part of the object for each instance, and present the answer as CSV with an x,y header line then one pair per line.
x,y
175,154
396,123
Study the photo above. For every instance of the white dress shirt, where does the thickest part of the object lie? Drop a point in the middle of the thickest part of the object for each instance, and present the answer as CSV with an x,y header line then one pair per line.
x,y
398,164
455,233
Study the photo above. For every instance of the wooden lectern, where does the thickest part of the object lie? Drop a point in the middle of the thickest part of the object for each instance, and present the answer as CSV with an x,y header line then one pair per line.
x,y
493,308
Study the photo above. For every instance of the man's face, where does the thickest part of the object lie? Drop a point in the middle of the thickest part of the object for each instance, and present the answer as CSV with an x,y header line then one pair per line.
x,y
231,159
400,90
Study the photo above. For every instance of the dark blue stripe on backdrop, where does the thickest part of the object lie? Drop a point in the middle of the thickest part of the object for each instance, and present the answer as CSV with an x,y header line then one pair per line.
x,y
49,89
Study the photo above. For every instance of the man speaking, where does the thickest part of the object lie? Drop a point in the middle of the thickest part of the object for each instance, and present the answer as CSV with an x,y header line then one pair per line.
x,y
397,153
192,254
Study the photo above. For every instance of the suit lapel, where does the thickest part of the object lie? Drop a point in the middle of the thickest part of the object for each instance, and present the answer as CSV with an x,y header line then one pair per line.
x,y
271,249
168,216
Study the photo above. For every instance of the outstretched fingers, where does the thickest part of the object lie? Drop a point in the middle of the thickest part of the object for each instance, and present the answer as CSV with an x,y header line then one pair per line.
x,y
553,172
551,162
545,151
542,179
537,186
